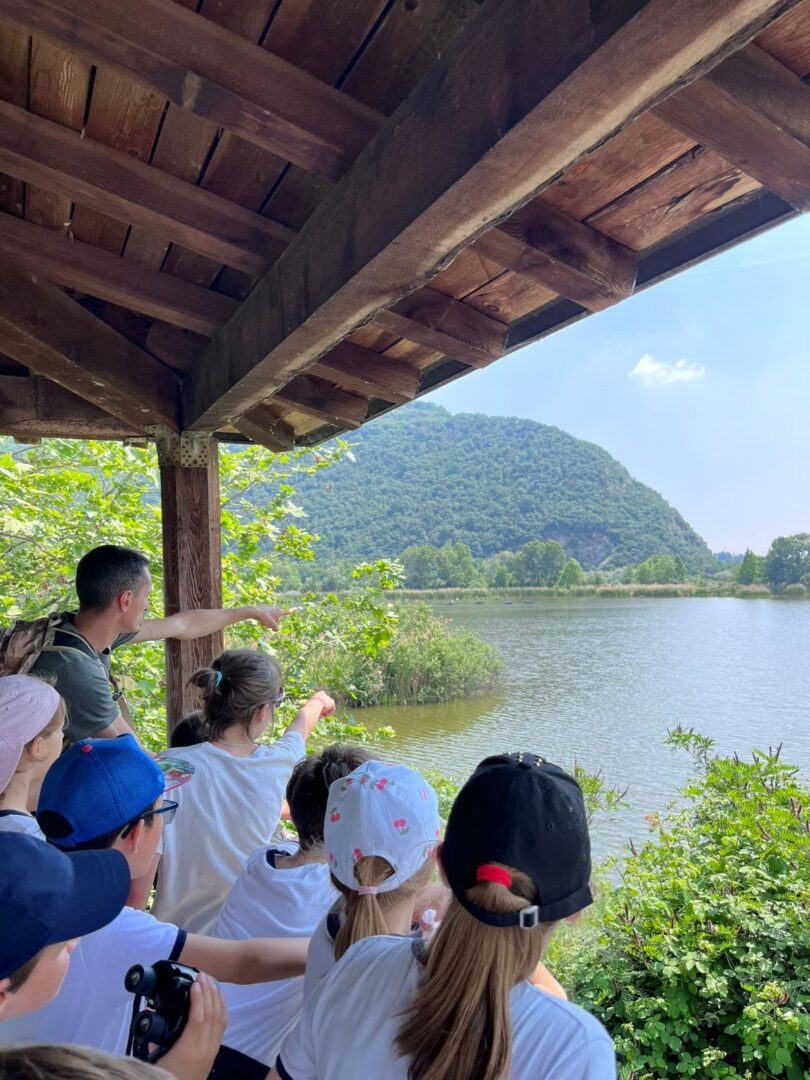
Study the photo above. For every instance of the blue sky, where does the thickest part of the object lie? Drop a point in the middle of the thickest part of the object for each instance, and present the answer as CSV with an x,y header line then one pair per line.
x,y
700,386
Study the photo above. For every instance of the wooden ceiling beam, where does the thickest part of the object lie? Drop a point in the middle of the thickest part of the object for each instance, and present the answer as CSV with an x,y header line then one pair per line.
x,y
755,113
262,425
38,408
54,336
211,71
314,397
64,261
573,259
439,322
59,160
369,373
522,93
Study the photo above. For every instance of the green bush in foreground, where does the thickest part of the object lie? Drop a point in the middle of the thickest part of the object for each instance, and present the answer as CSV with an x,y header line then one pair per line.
x,y
699,963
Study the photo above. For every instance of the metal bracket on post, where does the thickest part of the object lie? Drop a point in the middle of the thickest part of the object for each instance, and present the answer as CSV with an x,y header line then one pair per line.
x,y
190,451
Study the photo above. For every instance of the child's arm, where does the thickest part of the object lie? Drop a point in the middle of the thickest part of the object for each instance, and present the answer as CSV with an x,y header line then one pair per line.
x,y
252,961
320,704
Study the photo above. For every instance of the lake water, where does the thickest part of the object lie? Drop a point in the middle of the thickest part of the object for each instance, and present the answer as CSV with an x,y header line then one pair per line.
x,y
601,681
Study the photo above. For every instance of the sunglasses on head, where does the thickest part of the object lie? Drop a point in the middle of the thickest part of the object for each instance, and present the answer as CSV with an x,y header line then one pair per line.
x,y
169,809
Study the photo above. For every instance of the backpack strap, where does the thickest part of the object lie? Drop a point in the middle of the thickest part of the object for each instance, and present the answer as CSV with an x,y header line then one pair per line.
x,y
82,645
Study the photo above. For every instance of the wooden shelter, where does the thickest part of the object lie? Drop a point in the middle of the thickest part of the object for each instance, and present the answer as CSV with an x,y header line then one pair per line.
x,y
273,220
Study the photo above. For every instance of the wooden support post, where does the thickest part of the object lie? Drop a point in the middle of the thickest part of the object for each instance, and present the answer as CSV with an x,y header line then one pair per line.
x,y
192,572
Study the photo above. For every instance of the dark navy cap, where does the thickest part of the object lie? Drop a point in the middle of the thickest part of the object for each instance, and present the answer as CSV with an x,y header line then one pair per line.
x,y
47,896
96,787
521,811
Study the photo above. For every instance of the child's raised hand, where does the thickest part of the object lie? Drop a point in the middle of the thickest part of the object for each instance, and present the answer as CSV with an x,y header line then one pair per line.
x,y
192,1056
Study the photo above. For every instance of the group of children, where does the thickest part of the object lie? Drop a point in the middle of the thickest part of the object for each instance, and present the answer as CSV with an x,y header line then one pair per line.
x,y
371,941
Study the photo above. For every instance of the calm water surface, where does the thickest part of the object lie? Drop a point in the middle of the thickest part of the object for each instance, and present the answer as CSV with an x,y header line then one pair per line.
x,y
601,681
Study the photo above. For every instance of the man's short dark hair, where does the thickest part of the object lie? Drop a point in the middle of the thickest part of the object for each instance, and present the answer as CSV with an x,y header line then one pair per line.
x,y
106,572
308,788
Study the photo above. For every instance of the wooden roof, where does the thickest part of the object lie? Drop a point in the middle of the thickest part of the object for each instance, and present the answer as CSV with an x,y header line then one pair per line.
x,y
275,219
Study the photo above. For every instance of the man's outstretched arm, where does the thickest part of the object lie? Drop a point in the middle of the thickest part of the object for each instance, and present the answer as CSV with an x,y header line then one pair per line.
x,y
187,625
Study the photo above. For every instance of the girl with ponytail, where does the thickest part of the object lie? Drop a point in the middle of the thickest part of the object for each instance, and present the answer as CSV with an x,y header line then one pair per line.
x,y
380,834
516,856
234,803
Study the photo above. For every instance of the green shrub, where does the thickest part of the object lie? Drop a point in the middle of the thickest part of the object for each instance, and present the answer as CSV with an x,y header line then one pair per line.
x,y
425,661
699,962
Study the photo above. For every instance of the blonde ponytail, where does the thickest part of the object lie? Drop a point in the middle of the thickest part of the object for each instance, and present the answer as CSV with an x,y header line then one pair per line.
x,y
459,1024
365,914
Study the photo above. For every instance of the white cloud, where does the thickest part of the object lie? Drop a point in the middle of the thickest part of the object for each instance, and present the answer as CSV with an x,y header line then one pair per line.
x,y
652,372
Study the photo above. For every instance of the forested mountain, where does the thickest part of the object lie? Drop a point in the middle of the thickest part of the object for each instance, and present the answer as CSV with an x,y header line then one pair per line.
x,y
422,475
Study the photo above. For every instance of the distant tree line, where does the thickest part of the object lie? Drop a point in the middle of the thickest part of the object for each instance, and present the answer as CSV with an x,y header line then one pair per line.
x,y
785,569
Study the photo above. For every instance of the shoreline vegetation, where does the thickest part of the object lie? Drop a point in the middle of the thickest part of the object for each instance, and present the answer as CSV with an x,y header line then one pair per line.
x,y
684,589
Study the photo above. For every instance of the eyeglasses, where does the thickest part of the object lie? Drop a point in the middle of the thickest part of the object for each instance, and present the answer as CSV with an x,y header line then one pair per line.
x,y
273,701
169,809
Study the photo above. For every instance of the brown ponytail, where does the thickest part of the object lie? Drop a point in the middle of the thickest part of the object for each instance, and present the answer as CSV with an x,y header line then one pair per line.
x,y
237,683
365,915
459,1024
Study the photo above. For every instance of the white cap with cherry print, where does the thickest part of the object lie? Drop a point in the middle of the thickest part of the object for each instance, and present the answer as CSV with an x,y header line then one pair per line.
x,y
381,809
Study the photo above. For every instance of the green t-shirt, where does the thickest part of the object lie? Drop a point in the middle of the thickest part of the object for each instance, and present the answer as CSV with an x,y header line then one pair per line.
x,y
82,677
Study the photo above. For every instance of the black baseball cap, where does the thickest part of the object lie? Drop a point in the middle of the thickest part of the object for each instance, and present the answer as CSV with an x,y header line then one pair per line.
x,y
523,812
47,896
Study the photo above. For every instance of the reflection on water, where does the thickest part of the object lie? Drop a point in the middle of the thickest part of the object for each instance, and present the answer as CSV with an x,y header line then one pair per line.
x,y
601,681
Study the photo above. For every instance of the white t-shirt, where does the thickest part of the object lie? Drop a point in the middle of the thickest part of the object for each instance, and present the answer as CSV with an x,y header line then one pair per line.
x,y
92,1007
17,821
321,952
229,808
268,902
354,1017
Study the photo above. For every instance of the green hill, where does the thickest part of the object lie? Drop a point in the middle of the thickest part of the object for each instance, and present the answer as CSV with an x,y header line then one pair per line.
x,y
422,475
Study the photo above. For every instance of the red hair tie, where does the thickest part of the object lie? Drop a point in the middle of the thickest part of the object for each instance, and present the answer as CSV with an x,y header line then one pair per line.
x,y
497,874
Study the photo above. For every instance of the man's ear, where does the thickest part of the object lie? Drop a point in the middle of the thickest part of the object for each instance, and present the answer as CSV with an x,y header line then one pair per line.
x,y
125,600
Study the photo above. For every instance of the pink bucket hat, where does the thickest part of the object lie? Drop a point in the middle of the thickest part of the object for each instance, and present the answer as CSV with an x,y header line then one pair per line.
x,y
381,809
26,707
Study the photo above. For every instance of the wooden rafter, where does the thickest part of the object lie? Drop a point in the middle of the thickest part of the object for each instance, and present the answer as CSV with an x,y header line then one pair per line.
x,y
438,322
314,397
54,336
459,154
57,258
573,259
264,426
756,114
207,69
35,408
368,373
57,159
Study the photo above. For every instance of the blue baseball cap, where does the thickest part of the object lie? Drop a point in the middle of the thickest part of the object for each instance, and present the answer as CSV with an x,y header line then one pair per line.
x,y
47,896
96,787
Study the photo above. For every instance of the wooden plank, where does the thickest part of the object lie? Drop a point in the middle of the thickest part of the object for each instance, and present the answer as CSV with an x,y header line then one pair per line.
x,y
369,373
571,258
510,296
466,273
47,154
15,47
756,114
314,397
788,39
449,326
192,569
692,187
39,408
454,160
54,257
263,426
126,117
180,349
415,355
58,84
54,336
204,68
628,159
